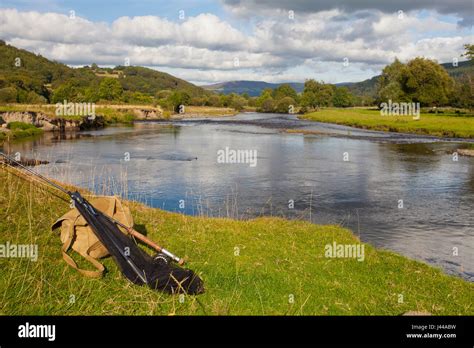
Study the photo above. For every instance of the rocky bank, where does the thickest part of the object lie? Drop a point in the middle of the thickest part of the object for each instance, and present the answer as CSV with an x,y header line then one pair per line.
x,y
48,123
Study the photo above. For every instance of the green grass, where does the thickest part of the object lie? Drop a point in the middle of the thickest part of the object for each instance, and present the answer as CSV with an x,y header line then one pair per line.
x,y
278,258
448,124
20,130
110,115
115,114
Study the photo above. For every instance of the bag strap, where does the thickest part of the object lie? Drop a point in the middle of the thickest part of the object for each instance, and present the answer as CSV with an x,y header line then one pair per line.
x,y
69,260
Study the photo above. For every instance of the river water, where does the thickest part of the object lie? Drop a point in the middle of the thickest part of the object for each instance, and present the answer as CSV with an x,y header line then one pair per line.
x,y
404,193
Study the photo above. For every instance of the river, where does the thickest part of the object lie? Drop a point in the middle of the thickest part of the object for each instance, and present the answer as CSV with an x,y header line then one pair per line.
x,y
404,193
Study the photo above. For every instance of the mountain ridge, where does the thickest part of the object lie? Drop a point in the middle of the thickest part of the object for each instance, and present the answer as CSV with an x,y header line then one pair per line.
x,y
30,77
364,87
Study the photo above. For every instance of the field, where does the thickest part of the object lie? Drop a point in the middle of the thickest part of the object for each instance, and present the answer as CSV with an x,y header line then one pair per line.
x,y
206,111
447,124
265,266
123,113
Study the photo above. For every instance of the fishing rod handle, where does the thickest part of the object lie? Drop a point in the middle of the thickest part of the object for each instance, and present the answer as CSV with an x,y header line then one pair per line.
x,y
155,246
172,256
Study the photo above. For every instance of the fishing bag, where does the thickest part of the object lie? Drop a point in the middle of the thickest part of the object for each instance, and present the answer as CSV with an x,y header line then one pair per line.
x,y
77,235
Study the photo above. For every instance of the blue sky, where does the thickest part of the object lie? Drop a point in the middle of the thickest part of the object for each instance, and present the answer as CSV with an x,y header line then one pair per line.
x,y
109,10
334,41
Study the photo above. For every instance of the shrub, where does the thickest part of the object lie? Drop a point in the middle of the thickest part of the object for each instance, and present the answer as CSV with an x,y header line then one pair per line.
x,y
8,95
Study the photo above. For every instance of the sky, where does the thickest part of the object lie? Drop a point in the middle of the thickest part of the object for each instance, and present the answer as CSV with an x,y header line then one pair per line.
x,y
213,41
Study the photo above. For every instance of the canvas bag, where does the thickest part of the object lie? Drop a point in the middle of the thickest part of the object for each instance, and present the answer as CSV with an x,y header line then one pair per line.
x,y
77,235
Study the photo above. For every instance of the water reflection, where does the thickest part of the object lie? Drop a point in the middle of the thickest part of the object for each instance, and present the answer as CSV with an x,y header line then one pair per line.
x,y
411,198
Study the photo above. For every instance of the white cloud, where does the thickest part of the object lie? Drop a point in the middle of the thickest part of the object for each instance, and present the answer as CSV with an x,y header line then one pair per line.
x,y
203,31
205,47
50,27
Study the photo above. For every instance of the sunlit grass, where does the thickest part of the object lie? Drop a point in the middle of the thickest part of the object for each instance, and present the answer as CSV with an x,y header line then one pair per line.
x,y
250,267
442,125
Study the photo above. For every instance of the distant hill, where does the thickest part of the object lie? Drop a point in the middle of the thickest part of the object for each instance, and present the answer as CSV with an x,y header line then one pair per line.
x,y
367,87
252,88
29,78
32,77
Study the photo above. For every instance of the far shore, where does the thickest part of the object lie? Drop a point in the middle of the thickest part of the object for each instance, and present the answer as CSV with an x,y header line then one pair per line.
x,y
26,120
440,123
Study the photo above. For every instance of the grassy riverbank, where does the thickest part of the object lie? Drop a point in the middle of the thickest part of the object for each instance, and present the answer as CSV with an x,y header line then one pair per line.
x,y
18,130
205,111
447,124
123,113
262,266
111,114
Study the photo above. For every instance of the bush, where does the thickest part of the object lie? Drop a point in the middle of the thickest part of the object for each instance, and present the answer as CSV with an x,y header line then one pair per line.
x,y
267,105
34,98
8,95
283,105
23,130
19,126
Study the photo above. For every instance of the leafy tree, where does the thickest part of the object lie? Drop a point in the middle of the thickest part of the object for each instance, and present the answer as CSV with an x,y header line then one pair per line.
x,y
268,105
308,100
426,82
213,100
238,103
469,51
199,101
8,95
420,80
390,83
177,99
225,100
137,98
283,105
33,98
316,94
267,93
64,92
463,95
91,95
252,101
283,91
110,89
342,97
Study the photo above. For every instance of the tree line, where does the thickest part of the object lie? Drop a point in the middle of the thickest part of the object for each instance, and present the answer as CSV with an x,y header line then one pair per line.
x,y
37,81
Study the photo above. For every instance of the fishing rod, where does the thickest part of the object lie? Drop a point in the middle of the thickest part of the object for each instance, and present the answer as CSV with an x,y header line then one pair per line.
x,y
75,196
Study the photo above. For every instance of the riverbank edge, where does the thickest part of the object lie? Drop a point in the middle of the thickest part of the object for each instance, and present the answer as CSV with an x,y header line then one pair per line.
x,y
420,282
371,119
43,117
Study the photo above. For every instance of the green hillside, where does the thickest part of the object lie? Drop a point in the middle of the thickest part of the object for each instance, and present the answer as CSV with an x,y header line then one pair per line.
x,y
150,81
29,78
